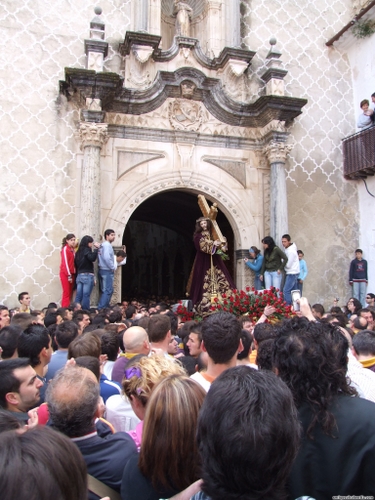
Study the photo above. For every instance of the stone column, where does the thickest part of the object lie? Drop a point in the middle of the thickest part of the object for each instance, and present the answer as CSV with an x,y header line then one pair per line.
x,y
276,153
92,136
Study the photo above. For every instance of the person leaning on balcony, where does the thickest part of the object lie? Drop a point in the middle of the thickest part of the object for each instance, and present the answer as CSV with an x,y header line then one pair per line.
x,y
365,118
373,105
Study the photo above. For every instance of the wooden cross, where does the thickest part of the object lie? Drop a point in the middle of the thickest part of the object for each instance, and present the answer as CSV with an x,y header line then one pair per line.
x,y
211,214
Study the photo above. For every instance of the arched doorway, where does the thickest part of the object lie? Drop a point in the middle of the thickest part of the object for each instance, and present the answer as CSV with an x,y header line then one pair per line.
x,y
158,237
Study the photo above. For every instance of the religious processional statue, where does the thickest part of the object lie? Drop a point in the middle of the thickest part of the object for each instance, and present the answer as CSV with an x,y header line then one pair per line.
x,y
209,277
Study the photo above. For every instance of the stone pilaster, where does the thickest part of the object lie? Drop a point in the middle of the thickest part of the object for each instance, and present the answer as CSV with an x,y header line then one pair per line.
x,y
276,153
245,276
232,23
214,28
154,17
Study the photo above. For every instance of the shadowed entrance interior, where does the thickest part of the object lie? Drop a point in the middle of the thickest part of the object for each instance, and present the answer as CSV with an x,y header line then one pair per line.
x,y
159,243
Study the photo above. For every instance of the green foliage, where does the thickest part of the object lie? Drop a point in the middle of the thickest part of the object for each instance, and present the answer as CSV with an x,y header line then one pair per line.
x,y
364,29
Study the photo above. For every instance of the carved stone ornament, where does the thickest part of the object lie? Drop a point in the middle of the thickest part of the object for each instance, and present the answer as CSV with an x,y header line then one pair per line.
x,y
185,115
276,152
187,89
92,134
142,53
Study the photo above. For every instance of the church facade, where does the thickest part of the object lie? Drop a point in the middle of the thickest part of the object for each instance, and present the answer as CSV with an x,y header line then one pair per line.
x,y
103,112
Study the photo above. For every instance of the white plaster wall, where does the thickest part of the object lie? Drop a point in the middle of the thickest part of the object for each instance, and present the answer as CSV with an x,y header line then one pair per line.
x,y
367,227
361,55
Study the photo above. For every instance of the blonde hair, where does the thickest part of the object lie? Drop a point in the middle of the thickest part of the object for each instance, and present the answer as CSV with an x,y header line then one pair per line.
x,y
151,369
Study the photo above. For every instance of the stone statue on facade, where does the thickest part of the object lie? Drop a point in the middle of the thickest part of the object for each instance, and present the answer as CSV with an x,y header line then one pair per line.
x,y
183,13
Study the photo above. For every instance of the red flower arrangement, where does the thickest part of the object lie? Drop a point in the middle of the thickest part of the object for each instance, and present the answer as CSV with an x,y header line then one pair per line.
x,y
184,313
241,302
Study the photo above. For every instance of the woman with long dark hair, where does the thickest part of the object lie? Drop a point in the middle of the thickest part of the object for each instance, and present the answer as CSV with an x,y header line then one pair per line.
x,y
353,306
209,276
168,461
273,263
86,255
67,269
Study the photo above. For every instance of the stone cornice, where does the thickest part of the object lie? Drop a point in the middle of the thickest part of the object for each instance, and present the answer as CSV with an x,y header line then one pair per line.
x,y
92,134
133,38
277,73
108,87
81,84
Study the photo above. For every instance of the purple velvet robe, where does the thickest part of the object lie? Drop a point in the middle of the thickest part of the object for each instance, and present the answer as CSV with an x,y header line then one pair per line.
x,y
201,281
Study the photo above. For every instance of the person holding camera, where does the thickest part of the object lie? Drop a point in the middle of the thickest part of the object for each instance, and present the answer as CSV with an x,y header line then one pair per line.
x,y
255,265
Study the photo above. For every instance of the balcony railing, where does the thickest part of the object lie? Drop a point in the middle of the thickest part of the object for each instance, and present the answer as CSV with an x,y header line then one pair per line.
x,y
359,154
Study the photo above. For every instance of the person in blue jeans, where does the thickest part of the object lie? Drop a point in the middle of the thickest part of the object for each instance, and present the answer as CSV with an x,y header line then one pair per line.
x,y
255,266
273,264
106,268
292,268
85,257
358,277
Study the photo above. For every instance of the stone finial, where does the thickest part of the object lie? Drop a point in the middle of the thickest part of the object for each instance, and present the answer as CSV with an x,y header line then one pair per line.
x,y
92,134
276,152
97,26
274,52
274,75
96,48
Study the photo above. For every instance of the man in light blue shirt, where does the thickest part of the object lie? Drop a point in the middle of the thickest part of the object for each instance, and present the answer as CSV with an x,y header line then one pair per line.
x,y
106,268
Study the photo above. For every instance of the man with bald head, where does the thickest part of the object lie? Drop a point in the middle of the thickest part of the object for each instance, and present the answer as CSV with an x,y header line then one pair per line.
x,y
135,341
73,403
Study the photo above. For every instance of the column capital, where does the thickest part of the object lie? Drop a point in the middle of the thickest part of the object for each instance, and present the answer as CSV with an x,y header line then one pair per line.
x,y
92,134
276,152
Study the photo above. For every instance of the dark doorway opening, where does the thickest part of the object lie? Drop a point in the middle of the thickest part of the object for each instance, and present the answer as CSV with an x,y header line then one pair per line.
x,y
159,243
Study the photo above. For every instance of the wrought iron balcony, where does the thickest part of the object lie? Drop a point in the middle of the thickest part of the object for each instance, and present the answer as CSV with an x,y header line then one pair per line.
x,y
359,154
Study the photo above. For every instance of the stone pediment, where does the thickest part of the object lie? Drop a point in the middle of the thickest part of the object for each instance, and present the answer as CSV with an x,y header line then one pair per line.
x,y
201,83
107,87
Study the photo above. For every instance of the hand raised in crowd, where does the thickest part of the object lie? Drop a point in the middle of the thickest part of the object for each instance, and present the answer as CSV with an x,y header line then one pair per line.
x,y
305,309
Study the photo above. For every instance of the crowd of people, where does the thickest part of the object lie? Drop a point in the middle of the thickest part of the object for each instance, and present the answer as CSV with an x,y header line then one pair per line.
x,y
285,270
142,401
133,402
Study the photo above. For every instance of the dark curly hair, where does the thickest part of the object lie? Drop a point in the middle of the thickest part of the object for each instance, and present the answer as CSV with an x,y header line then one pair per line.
x,y
311,361
357,305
